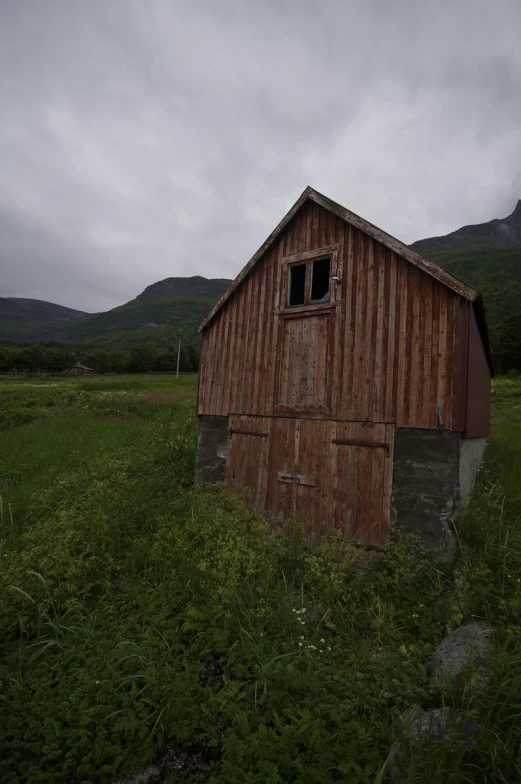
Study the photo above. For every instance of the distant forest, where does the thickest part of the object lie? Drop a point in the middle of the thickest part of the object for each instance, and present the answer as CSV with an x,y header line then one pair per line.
x,y
54,358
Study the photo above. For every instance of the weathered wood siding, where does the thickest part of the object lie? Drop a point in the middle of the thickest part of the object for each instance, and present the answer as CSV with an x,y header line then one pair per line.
x,y
334,475
393,344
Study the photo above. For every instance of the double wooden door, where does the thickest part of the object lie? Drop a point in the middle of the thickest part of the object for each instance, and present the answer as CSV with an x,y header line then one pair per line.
x,y
334,475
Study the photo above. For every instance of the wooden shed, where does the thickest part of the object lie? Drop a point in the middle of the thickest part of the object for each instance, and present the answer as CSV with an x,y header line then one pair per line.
x,y
79,370
345,380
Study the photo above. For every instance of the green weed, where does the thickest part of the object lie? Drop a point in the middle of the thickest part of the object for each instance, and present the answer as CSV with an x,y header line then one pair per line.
x,y
136,613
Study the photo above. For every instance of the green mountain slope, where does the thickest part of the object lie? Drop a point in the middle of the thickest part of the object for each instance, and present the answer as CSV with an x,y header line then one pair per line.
x,y
21,318
488,256
171,307
36,310
506,344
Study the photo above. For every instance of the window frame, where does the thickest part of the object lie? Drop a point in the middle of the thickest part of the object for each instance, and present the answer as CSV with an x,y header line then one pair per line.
x,y
308,258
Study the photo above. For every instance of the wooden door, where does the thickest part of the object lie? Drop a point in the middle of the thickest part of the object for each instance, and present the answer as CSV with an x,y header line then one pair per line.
x,y
304,362
361,467
333,475
247,458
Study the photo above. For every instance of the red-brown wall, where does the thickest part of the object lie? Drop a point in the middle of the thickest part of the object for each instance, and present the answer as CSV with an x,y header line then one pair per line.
x,y
395,335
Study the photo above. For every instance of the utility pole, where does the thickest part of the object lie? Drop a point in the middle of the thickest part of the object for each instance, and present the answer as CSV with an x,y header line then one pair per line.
x,y
178,357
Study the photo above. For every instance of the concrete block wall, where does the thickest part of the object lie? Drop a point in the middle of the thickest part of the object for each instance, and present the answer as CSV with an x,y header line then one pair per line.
x,y
433,476
425,485
212,445
470,457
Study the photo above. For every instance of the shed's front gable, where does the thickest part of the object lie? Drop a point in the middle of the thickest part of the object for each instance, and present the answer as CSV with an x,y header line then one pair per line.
x,y
385,348
335,380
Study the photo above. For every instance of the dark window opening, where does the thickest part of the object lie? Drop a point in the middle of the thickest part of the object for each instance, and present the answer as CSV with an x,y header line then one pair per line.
x,y
297,288
320,280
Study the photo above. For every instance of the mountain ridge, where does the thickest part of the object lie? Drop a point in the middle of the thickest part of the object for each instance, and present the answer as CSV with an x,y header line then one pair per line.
x,y
485,255
163,311
488,257
504,231
27,308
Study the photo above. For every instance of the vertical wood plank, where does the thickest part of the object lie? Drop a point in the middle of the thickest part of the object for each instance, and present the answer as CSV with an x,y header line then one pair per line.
x,y
376,531
211,370
378,331
245,345
203,369
401,354
442,353
263,345
272,361
251,345
324,524
309,223
449,358
408,346
368,347
387,485
382,396
365,481
287,238
235,367
424,388
391,346
265,426
356,385
349,297
415,346
315,214
322,227
337,237
223,365
435,351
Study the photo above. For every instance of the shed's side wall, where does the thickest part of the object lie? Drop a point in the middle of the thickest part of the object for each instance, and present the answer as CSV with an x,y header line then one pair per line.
x,y
394,334
478,385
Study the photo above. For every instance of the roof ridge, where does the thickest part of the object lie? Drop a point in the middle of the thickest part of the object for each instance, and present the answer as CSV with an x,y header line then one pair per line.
x,y
428,266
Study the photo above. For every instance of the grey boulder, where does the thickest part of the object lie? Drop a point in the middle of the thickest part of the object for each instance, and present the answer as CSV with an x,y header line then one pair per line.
x,y
466,645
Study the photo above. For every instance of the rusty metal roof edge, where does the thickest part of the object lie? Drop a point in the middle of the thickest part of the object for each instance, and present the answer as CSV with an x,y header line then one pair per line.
x,y
430,267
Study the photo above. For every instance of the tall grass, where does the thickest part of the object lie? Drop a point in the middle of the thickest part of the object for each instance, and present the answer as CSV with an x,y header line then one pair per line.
x,y
486,585
136,613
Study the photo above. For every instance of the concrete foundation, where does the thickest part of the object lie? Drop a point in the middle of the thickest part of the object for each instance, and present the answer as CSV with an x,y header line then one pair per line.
x,y
425,485
470,457
433,475
211,449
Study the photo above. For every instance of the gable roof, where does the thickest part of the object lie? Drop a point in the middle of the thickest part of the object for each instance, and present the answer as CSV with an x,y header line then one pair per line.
x,y
430,267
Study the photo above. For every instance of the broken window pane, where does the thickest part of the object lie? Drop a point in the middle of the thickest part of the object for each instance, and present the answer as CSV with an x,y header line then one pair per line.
x,y
320,280
297,287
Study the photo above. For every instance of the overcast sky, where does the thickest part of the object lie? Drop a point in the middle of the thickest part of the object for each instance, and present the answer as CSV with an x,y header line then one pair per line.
x,y
143,139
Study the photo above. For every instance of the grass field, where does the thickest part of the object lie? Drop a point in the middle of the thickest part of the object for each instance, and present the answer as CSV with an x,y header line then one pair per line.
x,y
138,615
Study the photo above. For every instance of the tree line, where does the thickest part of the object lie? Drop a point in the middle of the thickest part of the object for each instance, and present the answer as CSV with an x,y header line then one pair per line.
x,y
54,358
506,345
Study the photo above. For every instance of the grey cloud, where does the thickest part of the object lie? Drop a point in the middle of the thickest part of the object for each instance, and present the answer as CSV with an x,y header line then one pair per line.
x,y
147,139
